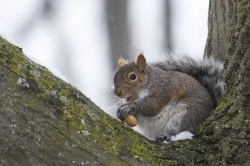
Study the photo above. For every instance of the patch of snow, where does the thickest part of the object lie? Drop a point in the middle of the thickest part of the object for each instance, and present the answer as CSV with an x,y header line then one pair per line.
x,y
182,136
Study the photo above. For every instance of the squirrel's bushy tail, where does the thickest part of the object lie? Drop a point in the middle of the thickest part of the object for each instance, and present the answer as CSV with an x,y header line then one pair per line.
x,y
207,71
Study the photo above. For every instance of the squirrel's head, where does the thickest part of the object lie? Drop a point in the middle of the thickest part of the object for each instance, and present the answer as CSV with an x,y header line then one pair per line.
x,y
131,78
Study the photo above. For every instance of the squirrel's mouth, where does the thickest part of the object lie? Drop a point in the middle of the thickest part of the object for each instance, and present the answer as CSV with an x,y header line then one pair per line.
x,y
129,98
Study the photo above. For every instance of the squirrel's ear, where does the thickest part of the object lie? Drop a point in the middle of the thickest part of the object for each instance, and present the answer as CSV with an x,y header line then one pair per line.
x,y
141,63
121,62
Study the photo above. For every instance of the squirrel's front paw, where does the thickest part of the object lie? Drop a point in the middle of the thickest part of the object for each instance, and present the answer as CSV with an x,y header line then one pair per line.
x,y
125,109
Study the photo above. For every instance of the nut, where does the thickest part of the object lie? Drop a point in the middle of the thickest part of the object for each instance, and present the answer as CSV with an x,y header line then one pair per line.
x,y
130,120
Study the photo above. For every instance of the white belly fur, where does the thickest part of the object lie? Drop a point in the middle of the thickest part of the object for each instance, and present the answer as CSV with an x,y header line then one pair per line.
x,y
166,123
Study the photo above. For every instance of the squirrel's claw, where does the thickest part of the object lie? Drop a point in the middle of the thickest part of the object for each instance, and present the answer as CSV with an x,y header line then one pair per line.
x,y
124,110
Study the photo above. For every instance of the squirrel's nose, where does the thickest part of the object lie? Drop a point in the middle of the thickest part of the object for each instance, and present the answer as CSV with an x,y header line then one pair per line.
x,y
118,92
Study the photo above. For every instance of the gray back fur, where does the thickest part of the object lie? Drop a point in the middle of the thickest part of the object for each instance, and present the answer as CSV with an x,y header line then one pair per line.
x,y
207,71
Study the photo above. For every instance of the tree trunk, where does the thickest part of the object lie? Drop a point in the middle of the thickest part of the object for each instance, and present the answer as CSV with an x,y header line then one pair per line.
x,y
116,12
228,128
45,121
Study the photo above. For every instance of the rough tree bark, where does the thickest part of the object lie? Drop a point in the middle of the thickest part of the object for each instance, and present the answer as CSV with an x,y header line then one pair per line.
x,y
45,121
228,128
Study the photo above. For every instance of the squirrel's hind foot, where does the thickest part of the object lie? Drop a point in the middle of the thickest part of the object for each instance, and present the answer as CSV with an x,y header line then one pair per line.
x,y
163,139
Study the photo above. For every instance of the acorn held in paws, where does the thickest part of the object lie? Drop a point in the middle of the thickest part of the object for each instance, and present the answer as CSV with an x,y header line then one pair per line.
x,y
130,120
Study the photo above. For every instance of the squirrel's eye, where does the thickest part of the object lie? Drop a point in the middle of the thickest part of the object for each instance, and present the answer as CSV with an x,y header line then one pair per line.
x,y
132,77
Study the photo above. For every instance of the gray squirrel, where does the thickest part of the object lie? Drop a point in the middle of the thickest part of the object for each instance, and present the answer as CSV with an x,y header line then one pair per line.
x,y
170,96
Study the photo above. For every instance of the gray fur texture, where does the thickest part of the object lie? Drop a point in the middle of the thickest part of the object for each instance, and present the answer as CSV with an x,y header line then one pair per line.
x,y
207,71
